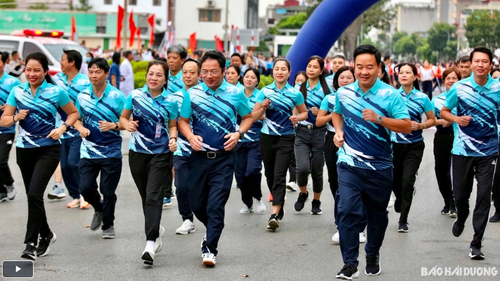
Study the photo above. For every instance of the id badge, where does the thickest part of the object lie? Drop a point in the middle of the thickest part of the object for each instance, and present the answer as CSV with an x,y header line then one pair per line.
x,y
158,130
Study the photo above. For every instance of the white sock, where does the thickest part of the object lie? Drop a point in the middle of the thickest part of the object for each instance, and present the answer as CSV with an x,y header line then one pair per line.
x,y
150,246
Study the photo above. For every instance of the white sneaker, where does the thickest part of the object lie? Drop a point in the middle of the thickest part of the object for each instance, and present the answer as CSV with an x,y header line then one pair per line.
x,y
208,259
259,206
336,238
148,257
246,210
11,191
362,237
186,228
159,242
292,186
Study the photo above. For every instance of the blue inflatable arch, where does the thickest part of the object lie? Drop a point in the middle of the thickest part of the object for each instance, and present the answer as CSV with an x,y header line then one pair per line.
x,y
323,28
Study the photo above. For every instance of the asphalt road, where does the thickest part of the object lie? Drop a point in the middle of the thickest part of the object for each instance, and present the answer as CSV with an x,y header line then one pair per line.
x,y
300,250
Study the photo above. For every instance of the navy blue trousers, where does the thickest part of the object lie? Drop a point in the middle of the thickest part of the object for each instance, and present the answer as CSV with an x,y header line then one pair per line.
x,y
364,194
182,175
209,187
70,161
248,171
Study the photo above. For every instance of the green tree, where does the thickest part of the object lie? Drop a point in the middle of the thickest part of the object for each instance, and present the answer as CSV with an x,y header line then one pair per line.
x,y
39,6
397,35
405,46
483,28
84,5
291,22
440,36
425,52
5,4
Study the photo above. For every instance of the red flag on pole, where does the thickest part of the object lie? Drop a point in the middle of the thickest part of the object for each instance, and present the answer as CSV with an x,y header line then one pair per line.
x,y
151,21
132,27
73,27
192,42
121,13
138,38
218,44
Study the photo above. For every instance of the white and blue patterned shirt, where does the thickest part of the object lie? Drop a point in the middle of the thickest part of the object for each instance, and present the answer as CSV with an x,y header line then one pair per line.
x,y
253,133
183,145
313,99
7,83
328,104
175,83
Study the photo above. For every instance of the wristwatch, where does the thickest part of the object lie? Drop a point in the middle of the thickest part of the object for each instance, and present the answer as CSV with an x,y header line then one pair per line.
x,y
67,126
379,119
241,134
116,126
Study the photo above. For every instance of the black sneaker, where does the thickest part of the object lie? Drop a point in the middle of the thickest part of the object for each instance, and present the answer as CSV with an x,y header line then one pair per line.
x,y
372,265
495,217
299,205
453,212
30,252
348,272
457,228
44,244
96,221
273,222
316,208
403,227
445,211
475,253
281,213
3,197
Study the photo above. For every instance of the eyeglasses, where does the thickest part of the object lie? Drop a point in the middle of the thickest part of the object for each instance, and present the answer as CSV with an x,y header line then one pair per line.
x,y
213,72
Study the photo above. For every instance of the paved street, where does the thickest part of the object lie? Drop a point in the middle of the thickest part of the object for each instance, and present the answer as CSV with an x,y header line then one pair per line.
x,y
300,250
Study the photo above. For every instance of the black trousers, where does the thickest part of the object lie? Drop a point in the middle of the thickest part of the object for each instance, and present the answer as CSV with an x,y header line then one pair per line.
x,y
292,170
37,166
148,172
427,88
70,161
167,192
406,160
330,152
443,143
309,156
110,169
495,190
6,141
182,174
277,152
464,168
248,171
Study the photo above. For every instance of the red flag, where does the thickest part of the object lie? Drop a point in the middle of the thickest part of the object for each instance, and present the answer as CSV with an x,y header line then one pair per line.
x,y
138,38
219,46
151,21
73,27
192,42
132,27
121,13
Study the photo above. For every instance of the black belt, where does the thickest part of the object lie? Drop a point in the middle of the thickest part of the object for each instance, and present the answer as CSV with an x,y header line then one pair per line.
x,y
212,154
310,127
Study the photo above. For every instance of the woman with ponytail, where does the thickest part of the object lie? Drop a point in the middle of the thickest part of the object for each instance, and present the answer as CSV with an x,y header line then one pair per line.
x,y
38,147
309,138
408,149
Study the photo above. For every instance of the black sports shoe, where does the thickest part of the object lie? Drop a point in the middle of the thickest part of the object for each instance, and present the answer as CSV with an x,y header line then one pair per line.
x,y
457,228
348,272
273,222
281,213
445,210
299,205
475,253
453,212
316,207
372,265
30,252
43,244
495,217
403,227
96,221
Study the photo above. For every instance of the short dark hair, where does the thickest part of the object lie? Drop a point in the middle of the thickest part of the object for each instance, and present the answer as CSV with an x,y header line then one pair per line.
x,y
481,49
255,71
368,49
337,75
179,49
416,84
215,55
237,55
164,66
116,58
100,63
286,61
237,68
464,59
339,56
126,53
91,55
14,53
195,61
74,56
4,56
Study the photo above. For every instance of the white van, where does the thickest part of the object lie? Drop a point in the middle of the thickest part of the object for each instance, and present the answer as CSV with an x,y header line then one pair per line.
x,y
48,42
